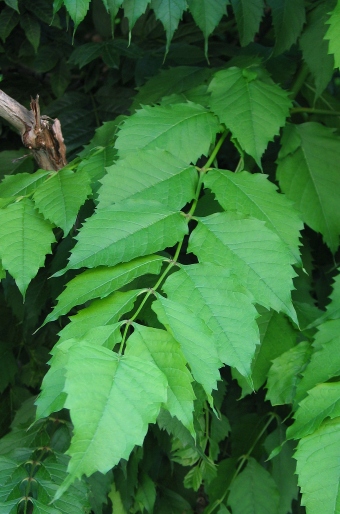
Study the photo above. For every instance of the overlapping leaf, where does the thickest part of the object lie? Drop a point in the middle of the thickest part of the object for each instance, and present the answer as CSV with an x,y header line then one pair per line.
x,y
160,348
195,338
60,197
318,468
288,19
124,231
100,282
185,130
253,195
149,175
333,34
252,109
307,175
21,183
25,239
248,14
169,13
210,293
252,252
103,391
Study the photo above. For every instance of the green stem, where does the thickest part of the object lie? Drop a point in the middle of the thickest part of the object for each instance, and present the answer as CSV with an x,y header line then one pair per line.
x,y
216,149
311,110
299,81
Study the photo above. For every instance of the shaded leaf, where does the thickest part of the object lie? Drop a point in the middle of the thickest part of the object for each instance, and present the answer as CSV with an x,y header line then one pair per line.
x,y
207,15
85,53
9,18
133,9
288,19
248,14
31,27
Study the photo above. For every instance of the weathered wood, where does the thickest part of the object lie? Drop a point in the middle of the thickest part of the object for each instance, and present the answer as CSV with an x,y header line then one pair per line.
x,y
40,134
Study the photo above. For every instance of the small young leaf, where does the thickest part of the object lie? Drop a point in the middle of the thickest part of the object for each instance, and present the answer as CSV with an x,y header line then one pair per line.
x,y
252,109
333,34
169,13
248,14
170,128
25,239
288,19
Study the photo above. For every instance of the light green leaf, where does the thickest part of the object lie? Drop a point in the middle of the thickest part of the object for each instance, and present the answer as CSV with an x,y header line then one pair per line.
x,y
120,388
100,282
253,491
323,401
25,239
160,348
308,177
149,175
318,468
260,260
254,195
315,48
207,15
124,231
170,128
101,312
283,375
77,9
169,13
252,109
9,19
325,360
22,184
288,19
332,34
133,9
60,197
31,27
210,293
195,339
248,14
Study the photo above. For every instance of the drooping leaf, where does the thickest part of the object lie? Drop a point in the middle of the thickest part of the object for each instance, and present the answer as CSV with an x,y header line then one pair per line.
x,y
22,183
160,348
248,14
100,282
169,128
149,175
253,491
195,339
77,10
288,19
60,197
254,195
318,468
252,109
207,15
31,27
210,293
25,239
133,9
260,260
169,13
283,376
308,177
332,34
124,231
9,18
13,4
121,387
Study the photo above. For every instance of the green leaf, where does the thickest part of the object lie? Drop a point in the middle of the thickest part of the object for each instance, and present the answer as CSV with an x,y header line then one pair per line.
x,y
323,401
288,19
254,195
13,4
283,375
25,239
124,231
77,10
60,197
146,493
121,388
315,48
149,175
101,312
308,177
170,128
60,78
210,293
253,491
207,15
256,255
85,53
31,27
169,13
133,9
252,109
248,14
110,55
333,308
22,184
100,282
160,348
332,34
195,339
318,468
9,19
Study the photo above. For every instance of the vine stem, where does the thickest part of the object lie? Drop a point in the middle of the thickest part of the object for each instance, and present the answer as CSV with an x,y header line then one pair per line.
x,y
311,110
173,261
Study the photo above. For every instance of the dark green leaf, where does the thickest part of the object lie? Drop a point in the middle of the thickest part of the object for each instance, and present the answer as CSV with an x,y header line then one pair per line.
x,y
248,14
